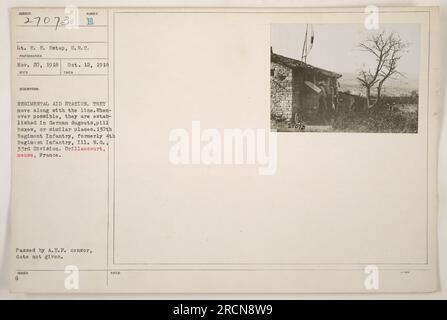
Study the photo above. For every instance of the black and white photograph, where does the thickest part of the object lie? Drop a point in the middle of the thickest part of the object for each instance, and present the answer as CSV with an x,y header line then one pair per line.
x,y
344,78
223,157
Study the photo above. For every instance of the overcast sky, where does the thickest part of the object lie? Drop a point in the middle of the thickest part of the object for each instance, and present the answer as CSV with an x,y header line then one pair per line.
x,y
336,45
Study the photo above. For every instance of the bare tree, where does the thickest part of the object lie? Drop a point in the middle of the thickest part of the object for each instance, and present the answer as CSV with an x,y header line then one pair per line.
x,y
390,68
367,80
387,52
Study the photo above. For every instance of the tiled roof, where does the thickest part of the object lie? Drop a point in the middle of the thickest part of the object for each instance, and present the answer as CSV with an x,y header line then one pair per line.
x,y
294,64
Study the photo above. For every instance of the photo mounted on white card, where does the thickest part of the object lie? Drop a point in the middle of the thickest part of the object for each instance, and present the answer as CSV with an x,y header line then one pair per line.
x,y
224,150
341,77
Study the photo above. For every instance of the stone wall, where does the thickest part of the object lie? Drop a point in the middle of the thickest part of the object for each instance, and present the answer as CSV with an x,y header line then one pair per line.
x,y
280,92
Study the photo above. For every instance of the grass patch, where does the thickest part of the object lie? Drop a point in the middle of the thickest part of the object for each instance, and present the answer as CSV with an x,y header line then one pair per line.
x,y
396,119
